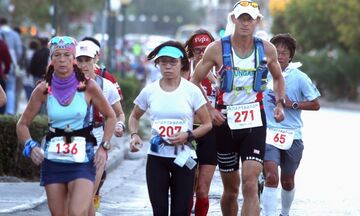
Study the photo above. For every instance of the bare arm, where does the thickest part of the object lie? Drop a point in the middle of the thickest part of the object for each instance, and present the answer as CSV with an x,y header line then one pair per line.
x,y
304,105
134,119
32,108
278,79
120,116
22,127
212,57
2,97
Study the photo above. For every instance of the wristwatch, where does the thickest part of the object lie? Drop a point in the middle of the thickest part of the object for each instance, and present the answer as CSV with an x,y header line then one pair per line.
x,y
190,137
295,105
282,101
106,145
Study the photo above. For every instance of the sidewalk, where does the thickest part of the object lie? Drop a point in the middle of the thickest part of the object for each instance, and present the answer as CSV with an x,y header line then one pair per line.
x,y
19,196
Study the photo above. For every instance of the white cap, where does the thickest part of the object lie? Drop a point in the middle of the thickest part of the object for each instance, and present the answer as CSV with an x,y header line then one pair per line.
x,y
85,48
254,12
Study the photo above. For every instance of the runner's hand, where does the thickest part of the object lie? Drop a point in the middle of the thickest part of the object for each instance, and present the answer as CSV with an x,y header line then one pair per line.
x,y
279,113
100,158
37,155
217,117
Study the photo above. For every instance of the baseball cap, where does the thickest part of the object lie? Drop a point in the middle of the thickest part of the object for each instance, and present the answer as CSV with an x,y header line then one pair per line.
x,y
249,7
170,51
85,48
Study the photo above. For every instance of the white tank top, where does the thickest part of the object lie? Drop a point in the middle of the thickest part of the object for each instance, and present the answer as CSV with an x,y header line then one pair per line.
x,y
242,92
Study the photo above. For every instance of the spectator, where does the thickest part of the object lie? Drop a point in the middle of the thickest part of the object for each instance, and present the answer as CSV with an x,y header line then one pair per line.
x,y
5,62
40,60
13,41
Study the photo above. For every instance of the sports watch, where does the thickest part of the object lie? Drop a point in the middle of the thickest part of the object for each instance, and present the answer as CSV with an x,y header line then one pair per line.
x,y
295,105
106,145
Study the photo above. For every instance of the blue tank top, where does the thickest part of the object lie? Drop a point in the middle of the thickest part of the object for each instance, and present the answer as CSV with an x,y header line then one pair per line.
x,y
74,116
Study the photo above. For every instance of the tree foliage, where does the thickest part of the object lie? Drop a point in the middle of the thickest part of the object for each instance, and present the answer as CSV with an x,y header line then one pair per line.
x,y
38,12
320,24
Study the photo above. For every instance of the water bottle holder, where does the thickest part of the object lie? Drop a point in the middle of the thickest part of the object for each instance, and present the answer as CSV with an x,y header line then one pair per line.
x,y
226,80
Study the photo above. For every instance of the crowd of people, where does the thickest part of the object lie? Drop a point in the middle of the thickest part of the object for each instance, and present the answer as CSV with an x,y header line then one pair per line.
x,y
234,103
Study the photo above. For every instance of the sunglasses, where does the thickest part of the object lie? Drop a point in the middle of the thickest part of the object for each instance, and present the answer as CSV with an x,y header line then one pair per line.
x,y
247,3
62,41
198,50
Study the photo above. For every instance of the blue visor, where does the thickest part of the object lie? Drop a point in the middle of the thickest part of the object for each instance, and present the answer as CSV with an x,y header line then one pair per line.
x,y
170,51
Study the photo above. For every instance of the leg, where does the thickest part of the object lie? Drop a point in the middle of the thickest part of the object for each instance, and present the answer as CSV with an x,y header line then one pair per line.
x,y
98,177
158,180
229,202
181,189
206,173
206,152
270,193
80,191
57,199
250,173
289,164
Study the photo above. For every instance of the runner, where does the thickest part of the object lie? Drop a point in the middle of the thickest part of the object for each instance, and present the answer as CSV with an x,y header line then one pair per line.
x,y
206,145
101,70
67,156
172,102
85,57
284,145
239,115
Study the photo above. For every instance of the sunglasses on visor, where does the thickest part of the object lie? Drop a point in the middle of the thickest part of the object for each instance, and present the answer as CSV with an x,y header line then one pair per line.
x,y
247,3
62,41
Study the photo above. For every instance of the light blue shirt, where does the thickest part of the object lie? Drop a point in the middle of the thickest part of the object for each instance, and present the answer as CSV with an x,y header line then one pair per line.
x,y
298,87
76,115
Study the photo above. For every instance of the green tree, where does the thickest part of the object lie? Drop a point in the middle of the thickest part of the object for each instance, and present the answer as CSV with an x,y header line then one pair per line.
x,y
38,11
346,21
310,22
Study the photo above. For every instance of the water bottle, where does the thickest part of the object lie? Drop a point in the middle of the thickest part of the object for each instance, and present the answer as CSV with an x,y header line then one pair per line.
x,y
260,76
155,143
226,79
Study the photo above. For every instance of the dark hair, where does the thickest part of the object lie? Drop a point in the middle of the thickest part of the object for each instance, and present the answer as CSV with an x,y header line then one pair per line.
x,y
3,21
34,45
188,44
287,40
92,40
176,44
79,76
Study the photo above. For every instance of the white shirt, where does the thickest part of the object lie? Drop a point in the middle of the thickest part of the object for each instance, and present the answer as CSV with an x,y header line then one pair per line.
x,y
179,104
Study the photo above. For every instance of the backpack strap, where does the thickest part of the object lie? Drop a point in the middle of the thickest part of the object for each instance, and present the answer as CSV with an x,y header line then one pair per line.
x,y
226,51
259,51
260,76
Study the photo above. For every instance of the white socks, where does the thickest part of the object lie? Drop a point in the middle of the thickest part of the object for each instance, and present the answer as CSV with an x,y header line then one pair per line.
x,y
269,200
286,200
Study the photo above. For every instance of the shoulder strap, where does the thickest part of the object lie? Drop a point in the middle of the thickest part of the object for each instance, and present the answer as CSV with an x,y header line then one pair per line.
x,y
99,80
226,51
259,51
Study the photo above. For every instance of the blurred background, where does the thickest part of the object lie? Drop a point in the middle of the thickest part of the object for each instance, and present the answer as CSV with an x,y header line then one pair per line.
x,y
326,31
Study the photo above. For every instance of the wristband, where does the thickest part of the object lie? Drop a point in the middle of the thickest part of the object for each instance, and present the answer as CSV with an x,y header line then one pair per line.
x,y
120,123
29,145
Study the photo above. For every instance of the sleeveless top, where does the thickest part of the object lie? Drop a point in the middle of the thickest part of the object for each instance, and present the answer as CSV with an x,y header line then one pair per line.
x,y
74,116
243,78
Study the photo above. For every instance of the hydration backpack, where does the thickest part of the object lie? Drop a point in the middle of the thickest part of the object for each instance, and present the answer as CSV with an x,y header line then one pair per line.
x,y
226,73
